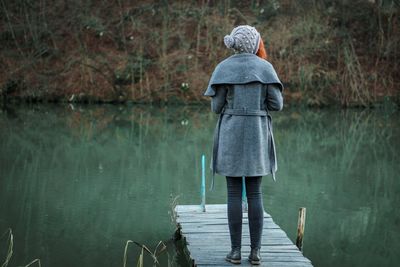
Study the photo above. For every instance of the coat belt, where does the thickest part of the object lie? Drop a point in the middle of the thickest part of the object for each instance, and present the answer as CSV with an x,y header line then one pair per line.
x,y
245,112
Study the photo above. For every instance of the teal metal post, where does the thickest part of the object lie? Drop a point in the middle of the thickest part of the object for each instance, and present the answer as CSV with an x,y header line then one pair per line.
x,y
203,183
244,197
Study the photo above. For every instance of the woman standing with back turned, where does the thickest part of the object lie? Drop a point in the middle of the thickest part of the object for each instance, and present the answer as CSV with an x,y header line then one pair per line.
x,y
243,88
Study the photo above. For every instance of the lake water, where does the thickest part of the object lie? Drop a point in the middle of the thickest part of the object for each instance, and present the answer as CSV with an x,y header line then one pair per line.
x,y
77,182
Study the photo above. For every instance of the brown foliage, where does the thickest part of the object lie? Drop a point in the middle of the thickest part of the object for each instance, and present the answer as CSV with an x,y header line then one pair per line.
x,y
159,51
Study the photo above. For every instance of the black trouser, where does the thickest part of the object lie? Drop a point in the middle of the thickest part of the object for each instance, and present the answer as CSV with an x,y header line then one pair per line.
x,y
255,209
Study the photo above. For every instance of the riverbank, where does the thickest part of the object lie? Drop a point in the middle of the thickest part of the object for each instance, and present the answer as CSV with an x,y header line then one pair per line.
x,y
386,103
337,53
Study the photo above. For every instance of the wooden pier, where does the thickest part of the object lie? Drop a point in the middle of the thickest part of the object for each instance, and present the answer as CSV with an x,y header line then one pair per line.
x,y
208,240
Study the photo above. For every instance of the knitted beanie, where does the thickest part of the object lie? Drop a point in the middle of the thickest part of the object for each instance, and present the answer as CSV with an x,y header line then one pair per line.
x,y
243,39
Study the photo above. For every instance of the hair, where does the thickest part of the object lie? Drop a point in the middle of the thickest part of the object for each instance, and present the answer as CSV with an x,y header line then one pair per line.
x,y
262,53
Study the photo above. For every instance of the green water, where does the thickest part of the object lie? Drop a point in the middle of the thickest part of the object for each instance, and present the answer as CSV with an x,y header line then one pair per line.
x,y
77,182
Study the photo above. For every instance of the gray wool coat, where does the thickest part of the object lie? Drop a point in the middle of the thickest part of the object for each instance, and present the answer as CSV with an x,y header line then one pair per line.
x,y
243,88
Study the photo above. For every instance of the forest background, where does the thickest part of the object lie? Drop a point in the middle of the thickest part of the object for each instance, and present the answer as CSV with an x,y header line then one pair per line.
x,y
326,52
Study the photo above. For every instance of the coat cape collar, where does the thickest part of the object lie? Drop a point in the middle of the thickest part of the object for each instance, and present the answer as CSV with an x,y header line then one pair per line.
x,y
241,69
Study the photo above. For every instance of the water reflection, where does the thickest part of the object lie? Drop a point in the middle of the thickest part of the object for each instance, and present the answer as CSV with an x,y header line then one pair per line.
x,y
341,165
76,182
75,185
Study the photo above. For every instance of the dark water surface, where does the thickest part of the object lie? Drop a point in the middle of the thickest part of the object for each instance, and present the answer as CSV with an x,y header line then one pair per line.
x,y
77,182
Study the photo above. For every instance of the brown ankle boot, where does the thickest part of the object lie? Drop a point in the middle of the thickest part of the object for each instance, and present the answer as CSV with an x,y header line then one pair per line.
x,y
255,257
234,256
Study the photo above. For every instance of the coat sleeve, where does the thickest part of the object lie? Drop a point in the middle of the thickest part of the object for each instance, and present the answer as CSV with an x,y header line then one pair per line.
x,y
274,99
219,99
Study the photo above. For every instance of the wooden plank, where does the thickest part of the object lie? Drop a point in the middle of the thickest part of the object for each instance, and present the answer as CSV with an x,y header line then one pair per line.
x,y
246,263
223,220
208,239
263,243
224,232
246,247
273,256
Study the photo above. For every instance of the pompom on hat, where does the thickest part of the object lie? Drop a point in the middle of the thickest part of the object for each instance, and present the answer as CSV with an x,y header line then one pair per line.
x,y
243,39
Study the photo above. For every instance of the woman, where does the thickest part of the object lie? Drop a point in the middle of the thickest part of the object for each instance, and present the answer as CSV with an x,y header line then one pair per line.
x,y
243,88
